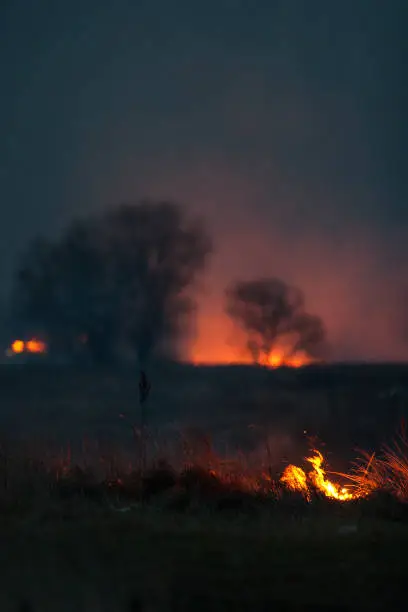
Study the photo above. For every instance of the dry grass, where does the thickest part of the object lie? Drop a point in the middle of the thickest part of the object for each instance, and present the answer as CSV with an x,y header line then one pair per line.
x,y
213,534
202,539
385,472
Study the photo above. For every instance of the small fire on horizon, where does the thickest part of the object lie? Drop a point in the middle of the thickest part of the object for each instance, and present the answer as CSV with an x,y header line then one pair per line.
x,y
33,345
276,359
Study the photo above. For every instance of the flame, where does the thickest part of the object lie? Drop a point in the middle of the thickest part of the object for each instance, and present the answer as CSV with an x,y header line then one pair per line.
x,y
218,342
30,346
35,346
17,346
278,358
295,479
275,360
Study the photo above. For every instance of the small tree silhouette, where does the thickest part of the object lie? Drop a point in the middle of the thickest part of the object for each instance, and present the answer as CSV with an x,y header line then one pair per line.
x,y
269,311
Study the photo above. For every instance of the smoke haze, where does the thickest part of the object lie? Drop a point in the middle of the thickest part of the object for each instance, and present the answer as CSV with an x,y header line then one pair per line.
x,y
352,277
284,127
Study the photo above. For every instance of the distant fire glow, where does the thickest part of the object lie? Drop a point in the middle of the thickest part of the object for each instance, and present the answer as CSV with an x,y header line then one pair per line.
x,y
17,346
218,342
278,359
33,345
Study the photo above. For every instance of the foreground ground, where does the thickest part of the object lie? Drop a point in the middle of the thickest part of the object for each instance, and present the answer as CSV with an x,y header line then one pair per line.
x,y
69,543
145,559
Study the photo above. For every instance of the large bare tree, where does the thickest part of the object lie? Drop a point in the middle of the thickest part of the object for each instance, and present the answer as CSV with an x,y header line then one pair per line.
x,y
120,277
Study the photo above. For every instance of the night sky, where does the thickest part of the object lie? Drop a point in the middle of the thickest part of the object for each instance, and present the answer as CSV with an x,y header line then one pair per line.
x,y
284,122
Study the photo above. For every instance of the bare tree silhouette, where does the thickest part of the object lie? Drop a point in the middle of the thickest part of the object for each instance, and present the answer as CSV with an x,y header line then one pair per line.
x,y
123,276
270,311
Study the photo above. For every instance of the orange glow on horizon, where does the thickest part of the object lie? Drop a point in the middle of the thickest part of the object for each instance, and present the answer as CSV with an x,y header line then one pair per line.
x,y
31,346
217,343
275,360
278,359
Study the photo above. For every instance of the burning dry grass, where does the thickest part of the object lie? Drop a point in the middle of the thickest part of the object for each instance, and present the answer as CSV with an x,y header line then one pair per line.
x,y
316,479
181,539
385,472
201,481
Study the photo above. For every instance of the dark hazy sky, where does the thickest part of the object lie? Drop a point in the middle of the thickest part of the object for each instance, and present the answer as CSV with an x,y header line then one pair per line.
x,y
283,121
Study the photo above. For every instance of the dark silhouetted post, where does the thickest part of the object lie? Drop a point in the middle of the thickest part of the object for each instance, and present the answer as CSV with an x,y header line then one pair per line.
x,y
144,390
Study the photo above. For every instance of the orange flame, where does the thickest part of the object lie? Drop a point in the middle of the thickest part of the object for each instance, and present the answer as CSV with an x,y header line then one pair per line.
x,y
295,479
31,346
278,359
36,346
17,346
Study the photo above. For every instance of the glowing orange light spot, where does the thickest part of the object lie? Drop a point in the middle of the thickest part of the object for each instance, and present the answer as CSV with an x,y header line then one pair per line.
x,y
17,346
279,358
275,360
36,346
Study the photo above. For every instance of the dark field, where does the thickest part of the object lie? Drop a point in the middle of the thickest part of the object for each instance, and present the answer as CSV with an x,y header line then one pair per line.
x,y
69,543
165,563
346,407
